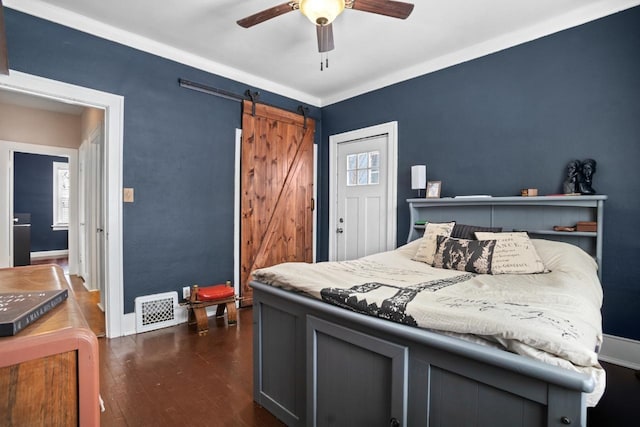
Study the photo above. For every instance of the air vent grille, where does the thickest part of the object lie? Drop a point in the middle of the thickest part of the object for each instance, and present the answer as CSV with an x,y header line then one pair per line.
x,y
156,311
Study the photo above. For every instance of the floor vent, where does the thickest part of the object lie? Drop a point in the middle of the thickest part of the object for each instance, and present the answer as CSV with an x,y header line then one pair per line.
x,y
156,311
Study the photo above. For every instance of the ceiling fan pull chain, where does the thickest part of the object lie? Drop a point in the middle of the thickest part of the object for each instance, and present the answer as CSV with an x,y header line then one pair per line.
x,y
324,61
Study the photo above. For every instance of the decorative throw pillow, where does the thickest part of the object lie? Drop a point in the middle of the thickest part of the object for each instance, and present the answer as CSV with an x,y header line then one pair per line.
x,y
474,256
428,243
514,253
463,231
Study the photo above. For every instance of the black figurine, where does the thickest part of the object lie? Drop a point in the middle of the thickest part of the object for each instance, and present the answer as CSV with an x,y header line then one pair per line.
x,y
570,185
587,169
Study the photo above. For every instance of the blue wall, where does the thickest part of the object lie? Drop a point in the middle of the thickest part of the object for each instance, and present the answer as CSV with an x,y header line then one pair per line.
x,y
513,120
178,151
493,125
33,193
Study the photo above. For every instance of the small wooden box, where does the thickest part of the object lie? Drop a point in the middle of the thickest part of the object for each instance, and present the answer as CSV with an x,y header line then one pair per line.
x,y
529,192
591,226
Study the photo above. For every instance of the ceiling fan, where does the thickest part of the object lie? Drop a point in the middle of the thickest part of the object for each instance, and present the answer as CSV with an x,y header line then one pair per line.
x,y
4,54
323,12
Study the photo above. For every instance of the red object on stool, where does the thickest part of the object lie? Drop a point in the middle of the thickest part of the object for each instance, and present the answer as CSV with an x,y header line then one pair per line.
x,y
211,293
221,295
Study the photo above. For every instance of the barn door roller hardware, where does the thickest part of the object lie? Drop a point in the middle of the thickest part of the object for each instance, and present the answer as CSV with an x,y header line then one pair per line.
x,y
254,98
304,111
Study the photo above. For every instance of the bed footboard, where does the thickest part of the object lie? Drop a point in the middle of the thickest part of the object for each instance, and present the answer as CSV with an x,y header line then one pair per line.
x,y
316,364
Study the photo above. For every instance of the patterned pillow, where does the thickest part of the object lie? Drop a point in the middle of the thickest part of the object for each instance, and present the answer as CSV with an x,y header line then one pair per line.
x,y
514,254
428,243
474,256
463,231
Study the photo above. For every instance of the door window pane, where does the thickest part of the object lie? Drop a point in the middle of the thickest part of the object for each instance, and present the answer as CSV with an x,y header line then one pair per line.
x,y
352,162
374,177
374,160
363,177
363,160
351,178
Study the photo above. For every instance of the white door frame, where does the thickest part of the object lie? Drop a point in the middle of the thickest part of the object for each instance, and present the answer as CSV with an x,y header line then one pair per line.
x,y
391,130
113,106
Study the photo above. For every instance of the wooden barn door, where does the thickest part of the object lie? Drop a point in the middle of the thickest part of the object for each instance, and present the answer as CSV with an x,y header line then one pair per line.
x,y
276,187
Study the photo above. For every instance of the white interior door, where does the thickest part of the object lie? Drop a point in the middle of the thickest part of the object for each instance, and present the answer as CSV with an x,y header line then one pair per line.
x,y
83,156
94,213
362,196
97,141
362,212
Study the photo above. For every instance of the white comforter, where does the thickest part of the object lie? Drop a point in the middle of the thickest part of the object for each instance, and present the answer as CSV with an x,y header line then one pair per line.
x,y
553,317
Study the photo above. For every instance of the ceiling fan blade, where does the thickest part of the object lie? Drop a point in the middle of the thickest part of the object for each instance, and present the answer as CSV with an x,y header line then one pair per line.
x,y
267,14
394,9
4,53
325,38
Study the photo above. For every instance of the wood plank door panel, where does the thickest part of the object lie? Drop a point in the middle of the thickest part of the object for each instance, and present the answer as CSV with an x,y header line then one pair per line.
x,y
276,188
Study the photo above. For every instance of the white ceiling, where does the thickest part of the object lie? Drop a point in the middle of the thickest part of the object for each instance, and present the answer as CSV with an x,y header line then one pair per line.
x,y
281,56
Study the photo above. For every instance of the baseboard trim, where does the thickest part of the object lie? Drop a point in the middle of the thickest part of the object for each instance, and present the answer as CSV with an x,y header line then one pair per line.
x,y
50,254
620,351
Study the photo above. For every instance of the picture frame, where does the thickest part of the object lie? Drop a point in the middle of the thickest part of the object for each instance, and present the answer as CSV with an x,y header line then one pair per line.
x,y
433,189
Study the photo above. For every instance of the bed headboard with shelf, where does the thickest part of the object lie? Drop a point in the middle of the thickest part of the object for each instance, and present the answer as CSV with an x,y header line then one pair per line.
x,y
536,215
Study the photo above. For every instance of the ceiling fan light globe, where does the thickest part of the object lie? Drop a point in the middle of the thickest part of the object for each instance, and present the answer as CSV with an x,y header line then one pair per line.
x,y
321,12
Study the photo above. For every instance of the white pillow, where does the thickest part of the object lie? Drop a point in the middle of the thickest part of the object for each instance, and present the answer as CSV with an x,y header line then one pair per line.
x,y
514,253
429,241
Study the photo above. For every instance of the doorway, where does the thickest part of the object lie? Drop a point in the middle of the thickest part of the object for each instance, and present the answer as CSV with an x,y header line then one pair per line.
x,y
41,198
113,107
362,191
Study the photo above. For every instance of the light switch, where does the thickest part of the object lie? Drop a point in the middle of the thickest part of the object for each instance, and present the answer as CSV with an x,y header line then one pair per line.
x,y
127,195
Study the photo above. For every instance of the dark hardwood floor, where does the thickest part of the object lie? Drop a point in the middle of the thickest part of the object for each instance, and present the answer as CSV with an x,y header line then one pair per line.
x,y
174,377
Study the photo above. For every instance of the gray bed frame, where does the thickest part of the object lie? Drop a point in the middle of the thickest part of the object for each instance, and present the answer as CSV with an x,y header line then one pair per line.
x,y
320,365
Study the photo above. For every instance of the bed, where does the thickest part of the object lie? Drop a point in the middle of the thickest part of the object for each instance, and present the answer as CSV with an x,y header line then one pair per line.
x,y
388,340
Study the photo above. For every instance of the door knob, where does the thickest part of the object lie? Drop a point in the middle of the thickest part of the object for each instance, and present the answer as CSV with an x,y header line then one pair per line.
x,y
340,230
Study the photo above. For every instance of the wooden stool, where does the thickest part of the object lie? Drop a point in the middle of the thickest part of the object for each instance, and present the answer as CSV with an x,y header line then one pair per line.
x,y
221,295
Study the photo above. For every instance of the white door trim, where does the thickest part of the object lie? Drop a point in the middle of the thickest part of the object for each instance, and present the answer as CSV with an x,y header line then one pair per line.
x,y
236,214
391,130
113,105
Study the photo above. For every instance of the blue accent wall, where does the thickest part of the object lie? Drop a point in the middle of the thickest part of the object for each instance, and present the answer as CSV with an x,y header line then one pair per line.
x,y
33,194
178,150
513,120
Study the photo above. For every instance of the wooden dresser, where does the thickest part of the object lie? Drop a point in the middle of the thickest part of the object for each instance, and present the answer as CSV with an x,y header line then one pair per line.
x,y
49,372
